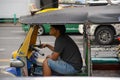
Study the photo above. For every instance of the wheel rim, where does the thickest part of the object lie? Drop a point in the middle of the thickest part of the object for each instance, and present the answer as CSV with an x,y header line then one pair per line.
x,y
40,30
105,36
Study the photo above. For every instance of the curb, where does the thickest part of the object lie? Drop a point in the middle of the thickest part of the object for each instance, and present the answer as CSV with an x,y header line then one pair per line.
x,y
10,24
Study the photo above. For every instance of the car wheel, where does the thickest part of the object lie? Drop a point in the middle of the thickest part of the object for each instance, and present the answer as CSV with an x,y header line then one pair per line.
x,y
41,30
104,35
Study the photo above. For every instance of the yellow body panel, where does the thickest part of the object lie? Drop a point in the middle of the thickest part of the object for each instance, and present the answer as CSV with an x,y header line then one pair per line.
x,y
14,54
30,39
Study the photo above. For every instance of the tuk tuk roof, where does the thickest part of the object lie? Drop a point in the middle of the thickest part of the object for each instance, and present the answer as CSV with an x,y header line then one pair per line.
x,y
94,14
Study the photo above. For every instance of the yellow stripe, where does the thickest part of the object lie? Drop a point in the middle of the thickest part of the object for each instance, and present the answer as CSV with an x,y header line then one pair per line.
x,y
47,10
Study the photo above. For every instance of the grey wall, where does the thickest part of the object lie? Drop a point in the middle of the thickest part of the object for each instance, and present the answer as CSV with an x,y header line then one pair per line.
x,y
19,7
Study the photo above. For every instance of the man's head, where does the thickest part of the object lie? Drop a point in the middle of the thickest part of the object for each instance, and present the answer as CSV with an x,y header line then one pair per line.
x,y
57,29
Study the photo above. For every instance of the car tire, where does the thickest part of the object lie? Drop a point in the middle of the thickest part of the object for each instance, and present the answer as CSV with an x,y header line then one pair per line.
x,y
41,30
104,35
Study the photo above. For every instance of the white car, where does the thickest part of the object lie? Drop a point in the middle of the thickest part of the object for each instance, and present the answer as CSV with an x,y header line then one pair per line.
x,y
103,34
102,2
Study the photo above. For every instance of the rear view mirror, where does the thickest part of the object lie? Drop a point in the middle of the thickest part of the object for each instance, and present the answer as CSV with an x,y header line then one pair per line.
x,y
16,63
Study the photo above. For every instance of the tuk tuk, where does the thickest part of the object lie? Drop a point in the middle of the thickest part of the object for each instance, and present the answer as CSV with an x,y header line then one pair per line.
x,y
83,15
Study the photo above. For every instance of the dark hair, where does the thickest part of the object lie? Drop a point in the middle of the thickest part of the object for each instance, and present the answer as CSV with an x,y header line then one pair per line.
x,y
61,28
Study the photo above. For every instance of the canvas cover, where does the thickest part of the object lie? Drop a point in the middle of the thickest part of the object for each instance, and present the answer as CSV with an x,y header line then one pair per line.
x,y
93,14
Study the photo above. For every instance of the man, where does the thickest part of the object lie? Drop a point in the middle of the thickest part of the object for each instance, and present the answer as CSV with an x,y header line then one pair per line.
x,y
66,57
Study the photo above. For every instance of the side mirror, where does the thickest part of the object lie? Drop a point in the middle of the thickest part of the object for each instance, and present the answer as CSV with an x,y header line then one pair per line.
x,y
16,63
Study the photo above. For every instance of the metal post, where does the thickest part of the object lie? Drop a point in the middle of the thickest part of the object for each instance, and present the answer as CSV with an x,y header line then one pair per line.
x,y
87,49
14,19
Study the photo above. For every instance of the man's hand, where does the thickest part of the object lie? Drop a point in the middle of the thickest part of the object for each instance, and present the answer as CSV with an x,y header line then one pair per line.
x,y
43,45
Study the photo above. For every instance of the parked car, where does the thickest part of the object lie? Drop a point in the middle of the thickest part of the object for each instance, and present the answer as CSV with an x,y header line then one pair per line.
x,y
45,28
104,34
80,1
101,2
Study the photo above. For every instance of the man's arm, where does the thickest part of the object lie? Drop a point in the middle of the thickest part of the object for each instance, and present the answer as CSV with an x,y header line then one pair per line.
x,y
48,46
53,56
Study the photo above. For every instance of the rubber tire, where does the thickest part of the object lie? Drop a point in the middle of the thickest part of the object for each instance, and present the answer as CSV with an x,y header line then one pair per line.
x,y
41,30
104,35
